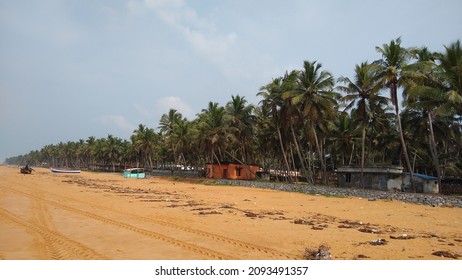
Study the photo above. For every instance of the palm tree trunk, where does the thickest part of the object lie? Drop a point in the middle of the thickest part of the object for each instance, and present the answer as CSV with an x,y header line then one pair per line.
x,y
219,164
244,151
443,172
363,144
401,136
211,162
406,155
351,155
293,162
434,151
241,162
310,166
318,148
302,161
283,152
150,163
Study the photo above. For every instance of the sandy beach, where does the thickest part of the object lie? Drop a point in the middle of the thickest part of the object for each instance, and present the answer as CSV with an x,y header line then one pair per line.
x,y
105,216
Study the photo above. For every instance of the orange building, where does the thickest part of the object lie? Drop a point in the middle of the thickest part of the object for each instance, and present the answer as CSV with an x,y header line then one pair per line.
x,y
232,171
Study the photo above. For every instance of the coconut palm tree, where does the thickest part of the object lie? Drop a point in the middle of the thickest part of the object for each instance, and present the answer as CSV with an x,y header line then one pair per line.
x,y
242,121
89,153
344,138
435,89
394,59
181,139
451,84
112,150
143,141
267,142
361,92
294,121
451,66
167,124
422,100
316,100
214,130
168,121
448,81
98,151
49,154
277,108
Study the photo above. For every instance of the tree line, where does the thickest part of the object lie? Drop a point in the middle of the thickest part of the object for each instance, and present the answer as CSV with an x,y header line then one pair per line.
x,y
307,121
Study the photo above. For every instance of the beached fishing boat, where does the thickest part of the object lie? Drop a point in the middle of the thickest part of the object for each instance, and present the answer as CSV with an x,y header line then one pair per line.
x,y
26,170
63,171
134,173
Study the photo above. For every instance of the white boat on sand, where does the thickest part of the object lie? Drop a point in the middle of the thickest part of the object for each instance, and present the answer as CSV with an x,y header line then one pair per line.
x,y
54,170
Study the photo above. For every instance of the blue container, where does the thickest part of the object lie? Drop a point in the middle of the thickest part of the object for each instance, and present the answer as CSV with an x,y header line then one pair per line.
x,y
134,173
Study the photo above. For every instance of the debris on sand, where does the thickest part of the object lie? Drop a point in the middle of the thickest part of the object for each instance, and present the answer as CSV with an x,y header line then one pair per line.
x,y
402,237
303,222
281,213
201,209
209,212
193,203
322,253
345,226
445,254
351,224
227,206
361,256
369,230
379,241
252,215
319,227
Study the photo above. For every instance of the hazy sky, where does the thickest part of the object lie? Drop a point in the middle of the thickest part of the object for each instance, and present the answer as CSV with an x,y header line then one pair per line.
x,y
74,69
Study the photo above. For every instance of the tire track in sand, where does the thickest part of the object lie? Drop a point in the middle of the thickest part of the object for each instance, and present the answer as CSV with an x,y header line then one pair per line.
x,y
201,250
63,247
212,236
42,217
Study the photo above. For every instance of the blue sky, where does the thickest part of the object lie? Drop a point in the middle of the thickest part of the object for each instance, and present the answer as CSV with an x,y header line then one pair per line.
x,y
74,69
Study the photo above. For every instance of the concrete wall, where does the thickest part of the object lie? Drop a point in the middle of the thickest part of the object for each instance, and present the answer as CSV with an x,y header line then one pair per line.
x,y
422,185
394,183
385,178
418,198
382,178
374,181
179,173
431,187
387,182
451,186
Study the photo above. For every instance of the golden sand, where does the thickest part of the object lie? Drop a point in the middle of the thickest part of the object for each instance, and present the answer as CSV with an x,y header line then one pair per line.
x,y
105,216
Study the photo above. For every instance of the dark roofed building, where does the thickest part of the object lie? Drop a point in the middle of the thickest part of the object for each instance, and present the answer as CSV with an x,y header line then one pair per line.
x,y
375,177
385,178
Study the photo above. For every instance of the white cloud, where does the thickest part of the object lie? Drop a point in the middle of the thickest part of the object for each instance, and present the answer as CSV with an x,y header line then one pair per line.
x,y
170,11
234,58
216,48
146,113
119,121
200,32
135,7
173,102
